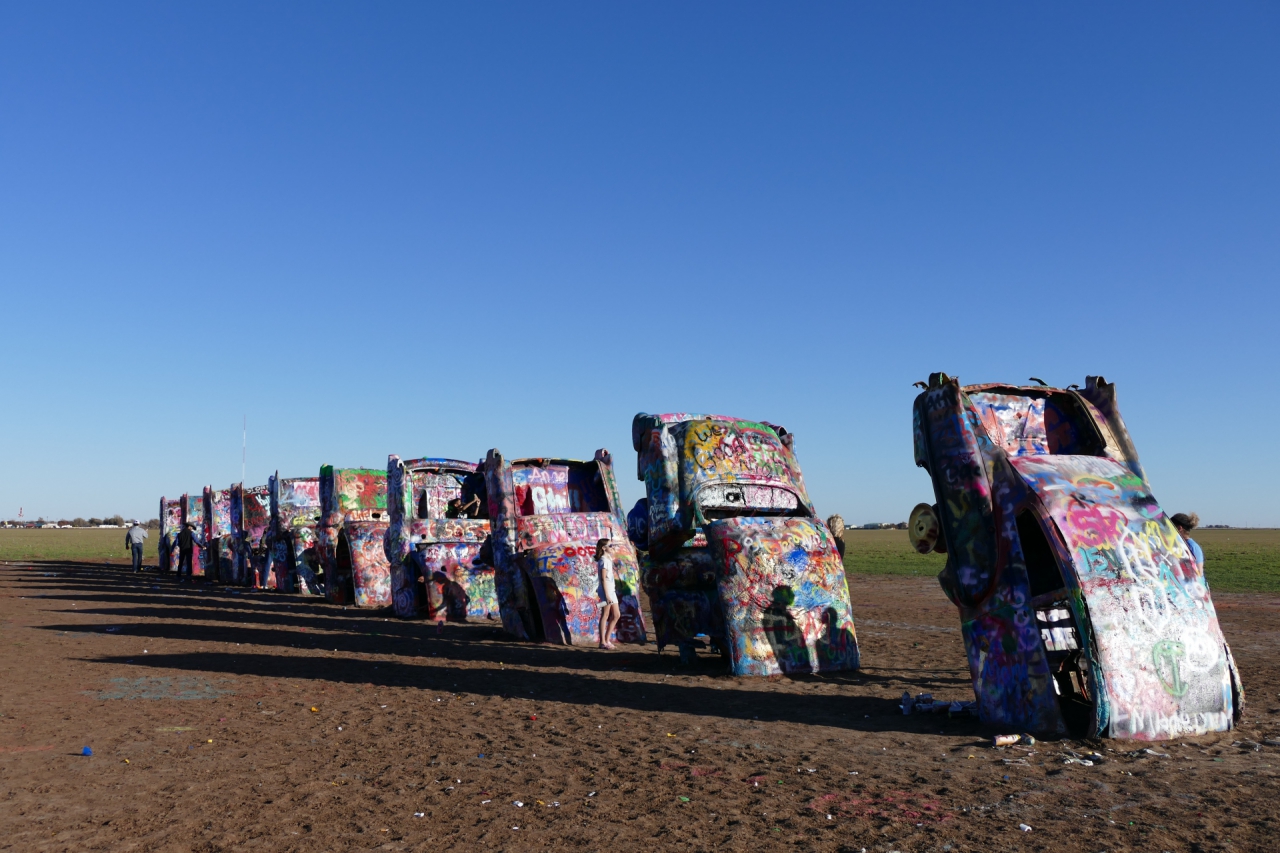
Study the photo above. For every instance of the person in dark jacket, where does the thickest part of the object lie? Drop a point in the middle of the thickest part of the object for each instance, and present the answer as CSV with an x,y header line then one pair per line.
x,y
186,545
133,539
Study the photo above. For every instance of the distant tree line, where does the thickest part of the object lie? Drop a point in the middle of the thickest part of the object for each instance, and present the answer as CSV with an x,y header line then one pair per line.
x,y
118,520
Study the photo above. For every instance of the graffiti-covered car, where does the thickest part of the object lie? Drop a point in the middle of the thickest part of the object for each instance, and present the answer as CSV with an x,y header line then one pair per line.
x,y
1081,607
439,523
350,537
735,549
221,545
547,516
250,519
170,526
193,514
291,538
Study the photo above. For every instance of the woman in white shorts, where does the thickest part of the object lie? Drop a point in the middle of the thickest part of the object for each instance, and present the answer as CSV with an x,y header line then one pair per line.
x,y
609,612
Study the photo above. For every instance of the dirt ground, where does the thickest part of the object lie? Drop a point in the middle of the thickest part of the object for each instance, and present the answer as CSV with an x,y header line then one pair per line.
x,y
236,720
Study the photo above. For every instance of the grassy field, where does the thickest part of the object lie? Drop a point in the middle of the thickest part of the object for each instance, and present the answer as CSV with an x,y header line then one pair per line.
x,y
88,544
1235,560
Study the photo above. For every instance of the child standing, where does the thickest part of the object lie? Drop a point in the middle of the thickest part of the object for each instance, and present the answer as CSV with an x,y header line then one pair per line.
x,y
609,612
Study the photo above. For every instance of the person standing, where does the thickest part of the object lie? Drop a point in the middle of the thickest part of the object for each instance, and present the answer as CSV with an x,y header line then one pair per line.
x,y
1185,524
133,539
186,544
610,614
836,525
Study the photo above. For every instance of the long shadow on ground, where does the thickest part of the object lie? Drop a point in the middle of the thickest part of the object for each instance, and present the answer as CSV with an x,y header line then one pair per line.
x,y
265,619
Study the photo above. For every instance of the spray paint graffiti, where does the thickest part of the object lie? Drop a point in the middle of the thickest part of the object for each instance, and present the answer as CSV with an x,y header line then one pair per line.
x,y
1081,606
250,519
547,516
350,536
170,525
193,514
291,538
220,543
438,529
735,550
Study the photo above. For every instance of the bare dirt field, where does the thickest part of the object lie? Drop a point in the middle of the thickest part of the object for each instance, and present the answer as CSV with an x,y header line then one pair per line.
x,y
236,720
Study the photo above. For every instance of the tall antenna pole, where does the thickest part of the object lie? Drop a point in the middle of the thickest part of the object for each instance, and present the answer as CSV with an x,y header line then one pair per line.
x,y
244,446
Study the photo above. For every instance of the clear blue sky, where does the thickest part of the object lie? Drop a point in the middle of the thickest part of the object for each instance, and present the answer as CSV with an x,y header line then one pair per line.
x,y
431,230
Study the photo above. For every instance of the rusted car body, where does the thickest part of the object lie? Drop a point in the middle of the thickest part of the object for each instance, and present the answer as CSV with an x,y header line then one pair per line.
x,y
351,535
547,516
250,519
170,525
735,549
433,547
223,563
291,538
1081,607
193,514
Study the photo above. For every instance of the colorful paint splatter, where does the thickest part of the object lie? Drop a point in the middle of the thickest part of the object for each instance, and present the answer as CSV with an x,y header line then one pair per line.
x,y
1081,607
291,537
735,550
350,536
547,516
435,564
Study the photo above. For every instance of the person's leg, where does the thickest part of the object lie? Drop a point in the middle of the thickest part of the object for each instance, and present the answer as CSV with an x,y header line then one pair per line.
x,y
615,616
136,547
604,625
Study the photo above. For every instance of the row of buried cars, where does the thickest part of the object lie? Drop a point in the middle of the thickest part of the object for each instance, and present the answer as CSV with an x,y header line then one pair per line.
x,y
1082,609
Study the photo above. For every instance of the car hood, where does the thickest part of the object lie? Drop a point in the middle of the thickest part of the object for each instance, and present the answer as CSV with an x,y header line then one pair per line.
x,y
1155,631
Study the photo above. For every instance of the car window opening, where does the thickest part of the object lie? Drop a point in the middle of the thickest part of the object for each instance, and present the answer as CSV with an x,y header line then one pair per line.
x,y
1053,423
732,500
548,488
1056,622
345,575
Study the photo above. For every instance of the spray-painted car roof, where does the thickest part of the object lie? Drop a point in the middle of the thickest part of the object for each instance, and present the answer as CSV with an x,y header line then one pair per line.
x,y
352,489
217,511
295,501
430,463
682,455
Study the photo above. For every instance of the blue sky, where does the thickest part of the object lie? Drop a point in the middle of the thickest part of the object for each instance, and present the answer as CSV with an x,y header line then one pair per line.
x,y
431,230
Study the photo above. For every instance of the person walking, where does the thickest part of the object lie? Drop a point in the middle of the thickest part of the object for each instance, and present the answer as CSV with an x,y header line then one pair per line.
x,y
610,615
1185,523
133,539
186,544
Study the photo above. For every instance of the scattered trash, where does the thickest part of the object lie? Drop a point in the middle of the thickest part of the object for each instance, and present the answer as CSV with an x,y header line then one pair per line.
x,y
923,703
592,794
424,814
210,741
86,751
1024,827
1010,740
1148,751
316,710
1083,761
1248,745
126,761
1271,741
1020,762
485,802
684,799
519,804
533,716
556,804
